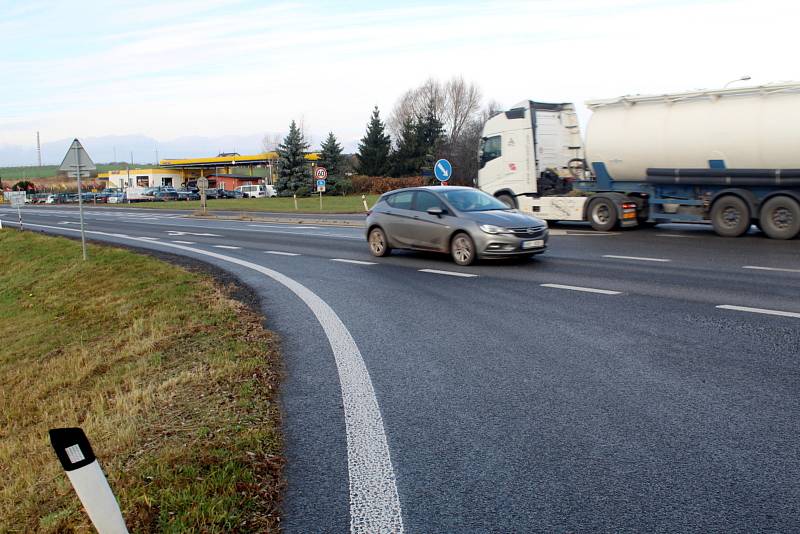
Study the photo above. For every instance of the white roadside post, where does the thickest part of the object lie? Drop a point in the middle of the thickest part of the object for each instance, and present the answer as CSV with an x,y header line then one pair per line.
x,y
78,460
202,185
364,200
76,162
17,200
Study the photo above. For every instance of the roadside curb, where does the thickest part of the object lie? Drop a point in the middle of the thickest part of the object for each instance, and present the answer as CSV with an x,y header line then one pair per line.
x,y
310,220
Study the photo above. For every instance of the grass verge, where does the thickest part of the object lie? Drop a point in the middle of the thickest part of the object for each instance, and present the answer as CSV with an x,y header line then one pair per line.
x,y
174,382
308,205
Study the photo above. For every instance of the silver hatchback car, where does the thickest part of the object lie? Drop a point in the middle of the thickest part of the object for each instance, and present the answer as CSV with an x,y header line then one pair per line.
x,y
462,221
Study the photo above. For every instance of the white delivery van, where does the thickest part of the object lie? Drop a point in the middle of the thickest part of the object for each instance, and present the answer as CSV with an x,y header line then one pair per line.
x,y
257,191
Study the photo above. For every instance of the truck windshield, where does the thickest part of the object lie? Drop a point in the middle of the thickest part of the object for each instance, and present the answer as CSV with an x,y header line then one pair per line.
x,y
472,200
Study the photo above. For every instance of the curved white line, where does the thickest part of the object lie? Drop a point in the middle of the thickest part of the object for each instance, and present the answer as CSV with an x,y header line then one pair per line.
x,y
374,501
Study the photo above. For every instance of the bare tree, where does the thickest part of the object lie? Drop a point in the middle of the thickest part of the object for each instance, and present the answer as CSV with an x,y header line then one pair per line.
x,y
271,141
462,102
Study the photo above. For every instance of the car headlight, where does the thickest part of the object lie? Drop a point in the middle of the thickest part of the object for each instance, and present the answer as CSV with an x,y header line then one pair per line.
x,y
492,229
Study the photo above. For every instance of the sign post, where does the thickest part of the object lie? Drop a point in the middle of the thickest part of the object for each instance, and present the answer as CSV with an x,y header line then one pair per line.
x,y
77,164
202,185
17,200
321,174
443,170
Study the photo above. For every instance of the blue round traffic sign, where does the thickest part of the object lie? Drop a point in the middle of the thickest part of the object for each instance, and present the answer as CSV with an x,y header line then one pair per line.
x,y
443,170
320,183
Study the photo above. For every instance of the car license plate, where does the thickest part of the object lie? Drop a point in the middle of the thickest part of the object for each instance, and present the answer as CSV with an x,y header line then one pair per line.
x,y
536,243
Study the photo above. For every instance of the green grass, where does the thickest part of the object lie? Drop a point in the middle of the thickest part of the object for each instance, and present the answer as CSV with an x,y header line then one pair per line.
x,y
12,175
173,381
330,204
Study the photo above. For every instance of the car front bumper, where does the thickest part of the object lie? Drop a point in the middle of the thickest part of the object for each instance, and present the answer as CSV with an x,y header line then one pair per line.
x,y
503,245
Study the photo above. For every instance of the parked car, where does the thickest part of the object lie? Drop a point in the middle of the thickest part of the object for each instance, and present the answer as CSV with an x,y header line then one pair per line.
x,y
213,192
232,193
462,221
188,194
103,195
257,191
164,194
51,199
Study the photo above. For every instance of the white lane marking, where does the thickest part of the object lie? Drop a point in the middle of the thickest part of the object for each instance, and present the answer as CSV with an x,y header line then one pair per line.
x,y
677,235
759,310
637,258
228,247
449,273
779,269
584,289
149,238
374,501
279,253
177,233
68,222
357,262
185,242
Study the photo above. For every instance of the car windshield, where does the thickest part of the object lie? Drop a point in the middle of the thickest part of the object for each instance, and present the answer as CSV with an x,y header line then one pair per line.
x,y
472,200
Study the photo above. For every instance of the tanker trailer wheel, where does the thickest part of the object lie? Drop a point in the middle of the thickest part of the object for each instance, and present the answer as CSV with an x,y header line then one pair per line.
x,y
603,214
730,216
780,217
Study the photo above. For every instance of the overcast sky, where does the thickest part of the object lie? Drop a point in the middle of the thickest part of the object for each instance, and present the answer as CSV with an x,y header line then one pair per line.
x,y
217,67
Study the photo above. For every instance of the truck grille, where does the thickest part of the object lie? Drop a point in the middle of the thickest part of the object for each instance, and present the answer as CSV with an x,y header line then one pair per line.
x,y
528,231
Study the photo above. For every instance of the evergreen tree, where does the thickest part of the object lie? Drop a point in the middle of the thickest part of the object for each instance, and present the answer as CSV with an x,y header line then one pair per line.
x,y
294,175
430,133
406,158
373,151
331,159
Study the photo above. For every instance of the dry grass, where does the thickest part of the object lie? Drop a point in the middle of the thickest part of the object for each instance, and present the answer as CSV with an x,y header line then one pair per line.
x,y
173,381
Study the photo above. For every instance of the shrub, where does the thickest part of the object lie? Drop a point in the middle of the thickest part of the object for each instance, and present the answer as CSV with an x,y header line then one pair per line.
x,y
380,184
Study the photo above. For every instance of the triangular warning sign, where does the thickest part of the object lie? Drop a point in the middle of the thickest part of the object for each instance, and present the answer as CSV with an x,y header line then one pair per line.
x,y
70,162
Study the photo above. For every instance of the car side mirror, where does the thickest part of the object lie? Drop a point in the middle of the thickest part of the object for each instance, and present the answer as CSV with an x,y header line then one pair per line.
x,y
436,211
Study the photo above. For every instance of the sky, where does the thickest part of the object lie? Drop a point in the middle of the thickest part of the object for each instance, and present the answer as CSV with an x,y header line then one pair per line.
x,y
192,75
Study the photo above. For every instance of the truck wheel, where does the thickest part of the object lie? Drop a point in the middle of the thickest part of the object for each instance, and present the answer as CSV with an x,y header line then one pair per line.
x,y
603,214
780,217
730,216
508,200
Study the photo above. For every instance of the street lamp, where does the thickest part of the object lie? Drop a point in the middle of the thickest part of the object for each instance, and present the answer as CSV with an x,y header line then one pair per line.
x,y
742,79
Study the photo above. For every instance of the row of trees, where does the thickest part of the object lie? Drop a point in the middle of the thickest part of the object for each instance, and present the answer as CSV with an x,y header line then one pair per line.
x,y
435,120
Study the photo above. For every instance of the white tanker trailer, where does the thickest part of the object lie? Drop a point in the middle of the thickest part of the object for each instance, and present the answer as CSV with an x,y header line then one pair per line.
x,y
730,157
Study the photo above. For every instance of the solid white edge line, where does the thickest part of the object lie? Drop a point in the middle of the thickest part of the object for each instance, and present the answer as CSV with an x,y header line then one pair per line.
x,y
227,247
279,253
637,258
185,242
584,289
778,269
449,273
374,501
759,310
357,262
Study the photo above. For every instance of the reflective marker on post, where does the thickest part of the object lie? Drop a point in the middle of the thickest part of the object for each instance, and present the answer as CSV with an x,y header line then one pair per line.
x,y
78,460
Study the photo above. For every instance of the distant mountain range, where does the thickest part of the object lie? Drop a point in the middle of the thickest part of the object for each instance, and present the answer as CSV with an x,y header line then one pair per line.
x,y
119,147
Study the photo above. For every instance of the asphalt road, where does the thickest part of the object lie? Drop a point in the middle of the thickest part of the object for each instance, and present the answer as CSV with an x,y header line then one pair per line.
x,y
640,381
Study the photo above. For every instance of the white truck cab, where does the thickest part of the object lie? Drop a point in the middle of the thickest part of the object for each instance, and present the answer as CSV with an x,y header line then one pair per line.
x,y
528,157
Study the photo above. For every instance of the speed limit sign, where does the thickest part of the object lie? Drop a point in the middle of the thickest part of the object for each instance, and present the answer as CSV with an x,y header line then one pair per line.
x,y
320,173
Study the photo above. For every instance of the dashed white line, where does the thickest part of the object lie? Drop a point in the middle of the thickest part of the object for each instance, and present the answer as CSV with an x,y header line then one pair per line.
x,y
227,247
677,235
449,273
374,500
759,310
283,226
185,242
357,262
584,289
280,253
636,258
779,269
149,238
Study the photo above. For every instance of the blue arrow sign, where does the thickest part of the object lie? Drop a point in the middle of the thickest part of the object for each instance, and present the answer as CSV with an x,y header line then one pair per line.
x,y
320,183
442,170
